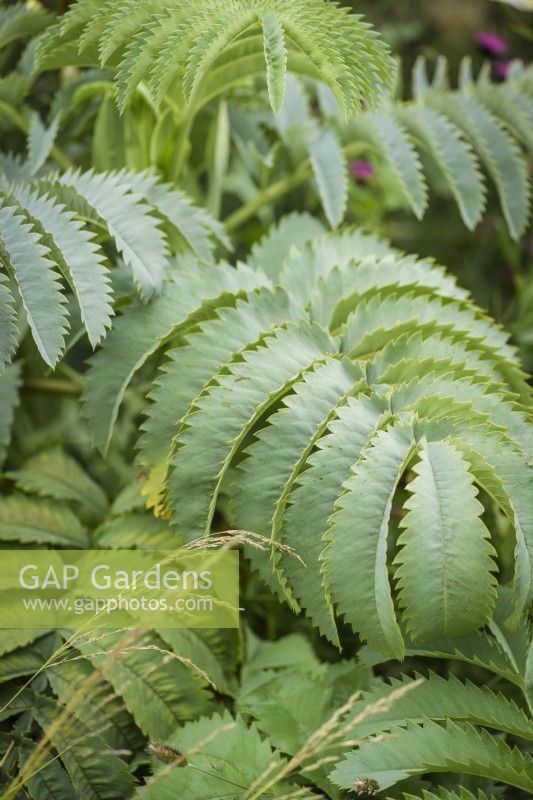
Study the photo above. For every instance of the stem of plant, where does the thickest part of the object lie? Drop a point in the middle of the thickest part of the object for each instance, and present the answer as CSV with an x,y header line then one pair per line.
x,y
73,375
268,195
283,187
182,145
53,386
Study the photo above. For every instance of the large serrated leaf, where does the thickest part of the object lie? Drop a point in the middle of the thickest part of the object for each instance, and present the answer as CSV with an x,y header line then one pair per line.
x,y
434,748
80,259
37,281
130,222
96,773
356,554
158,687
454,157
330,171
25,519
444,546
276,59
53,473
499,153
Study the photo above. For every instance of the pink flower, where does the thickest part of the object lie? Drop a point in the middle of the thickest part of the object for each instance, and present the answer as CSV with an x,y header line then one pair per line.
x,y
362,170
491,43
501,69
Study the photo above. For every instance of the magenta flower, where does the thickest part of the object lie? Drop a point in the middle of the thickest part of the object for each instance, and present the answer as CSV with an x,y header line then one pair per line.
x,y
501,69
362,170
491,43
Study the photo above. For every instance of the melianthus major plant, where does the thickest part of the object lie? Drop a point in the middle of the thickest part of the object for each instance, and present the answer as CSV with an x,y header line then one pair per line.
x,y
343,410
380,365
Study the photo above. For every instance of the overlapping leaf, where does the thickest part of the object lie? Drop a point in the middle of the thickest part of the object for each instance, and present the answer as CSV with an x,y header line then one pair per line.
x,y
48,230
200,49
310,406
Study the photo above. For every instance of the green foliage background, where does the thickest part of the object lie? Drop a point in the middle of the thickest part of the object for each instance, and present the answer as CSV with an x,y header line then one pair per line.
x,y
210,327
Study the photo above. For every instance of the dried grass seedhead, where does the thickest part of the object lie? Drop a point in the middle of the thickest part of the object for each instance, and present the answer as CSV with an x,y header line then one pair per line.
x,y
366,787
166,754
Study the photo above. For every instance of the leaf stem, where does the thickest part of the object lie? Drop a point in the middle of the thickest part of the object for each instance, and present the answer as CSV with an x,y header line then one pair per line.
x,y
283,187
52,386
182,145
268,195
